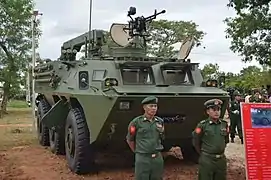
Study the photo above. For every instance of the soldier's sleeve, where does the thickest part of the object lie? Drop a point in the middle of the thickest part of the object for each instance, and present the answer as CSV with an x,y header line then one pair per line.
x,y
131,133
197,135
162,132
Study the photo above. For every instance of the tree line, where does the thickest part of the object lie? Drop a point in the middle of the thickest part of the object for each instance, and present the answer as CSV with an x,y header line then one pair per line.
x,y
249,33
248,78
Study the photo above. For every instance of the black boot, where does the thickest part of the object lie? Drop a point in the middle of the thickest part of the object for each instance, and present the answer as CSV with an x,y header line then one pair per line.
x,y
232,140
242,141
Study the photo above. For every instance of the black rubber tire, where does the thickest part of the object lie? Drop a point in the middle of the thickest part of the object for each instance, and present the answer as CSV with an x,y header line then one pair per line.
x,y
42,130
82,161
190,154
57,141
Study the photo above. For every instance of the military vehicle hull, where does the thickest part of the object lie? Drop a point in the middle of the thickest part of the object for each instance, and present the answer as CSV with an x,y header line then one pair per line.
x,y
85,106
180,111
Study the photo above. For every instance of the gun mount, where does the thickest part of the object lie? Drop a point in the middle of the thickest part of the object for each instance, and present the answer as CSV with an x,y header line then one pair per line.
x,y
138,26
130,39
132,34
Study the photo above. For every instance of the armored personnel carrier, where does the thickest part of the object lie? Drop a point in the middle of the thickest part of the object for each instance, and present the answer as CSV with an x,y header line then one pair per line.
x,y
261,117
85,106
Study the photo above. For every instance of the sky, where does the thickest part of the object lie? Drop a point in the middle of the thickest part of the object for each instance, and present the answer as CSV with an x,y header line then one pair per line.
x,y
65,19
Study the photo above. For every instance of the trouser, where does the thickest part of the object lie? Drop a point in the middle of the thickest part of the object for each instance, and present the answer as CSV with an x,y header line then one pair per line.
x,y
236,123
149,166
212,167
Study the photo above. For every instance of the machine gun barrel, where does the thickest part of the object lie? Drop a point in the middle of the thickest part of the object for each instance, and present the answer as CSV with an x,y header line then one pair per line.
x,y
149,18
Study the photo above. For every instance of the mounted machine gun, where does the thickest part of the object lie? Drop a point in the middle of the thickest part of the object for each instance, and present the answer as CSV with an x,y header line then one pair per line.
x,y
130,39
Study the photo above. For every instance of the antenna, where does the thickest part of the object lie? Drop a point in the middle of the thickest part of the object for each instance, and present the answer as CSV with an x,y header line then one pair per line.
x,y
89,27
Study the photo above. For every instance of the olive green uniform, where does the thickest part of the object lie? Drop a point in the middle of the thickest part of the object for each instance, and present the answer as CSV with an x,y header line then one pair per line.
x,y
235,119
255,99
149,163
210,139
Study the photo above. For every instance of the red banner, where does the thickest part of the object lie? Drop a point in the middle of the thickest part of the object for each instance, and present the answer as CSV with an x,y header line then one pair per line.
x,y
256,119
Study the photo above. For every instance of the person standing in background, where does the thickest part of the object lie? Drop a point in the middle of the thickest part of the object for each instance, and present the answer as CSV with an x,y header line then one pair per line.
x,y
256,98
235,117
247,97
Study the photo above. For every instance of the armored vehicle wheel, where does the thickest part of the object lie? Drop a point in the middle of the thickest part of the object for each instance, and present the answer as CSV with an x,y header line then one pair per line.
x,y
57,141
42,130
79,152
265,121
190,154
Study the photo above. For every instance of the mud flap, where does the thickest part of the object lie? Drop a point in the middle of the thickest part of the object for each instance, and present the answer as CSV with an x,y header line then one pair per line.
x,y
57,115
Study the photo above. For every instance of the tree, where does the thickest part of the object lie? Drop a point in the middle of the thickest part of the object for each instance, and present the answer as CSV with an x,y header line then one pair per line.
x,y
250,31
164,33
210,71
248,78
15,42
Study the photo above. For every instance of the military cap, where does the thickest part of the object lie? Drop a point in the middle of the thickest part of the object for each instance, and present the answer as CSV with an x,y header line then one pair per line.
x,y
236,93
150,100
213,103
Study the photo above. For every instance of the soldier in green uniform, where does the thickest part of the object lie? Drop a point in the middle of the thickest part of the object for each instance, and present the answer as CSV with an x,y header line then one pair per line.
x,y
235,117
144,137
256,98
209,139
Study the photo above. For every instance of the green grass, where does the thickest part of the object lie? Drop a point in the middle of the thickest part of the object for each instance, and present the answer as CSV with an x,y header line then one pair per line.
x,y
17,116
17,104
13,135
16,136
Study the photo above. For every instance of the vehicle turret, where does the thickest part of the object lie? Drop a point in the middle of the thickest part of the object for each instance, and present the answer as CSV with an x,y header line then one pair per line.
x,y
130,39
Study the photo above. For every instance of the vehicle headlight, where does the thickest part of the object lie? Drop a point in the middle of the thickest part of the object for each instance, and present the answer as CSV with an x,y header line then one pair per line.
x,y
111,82
125,105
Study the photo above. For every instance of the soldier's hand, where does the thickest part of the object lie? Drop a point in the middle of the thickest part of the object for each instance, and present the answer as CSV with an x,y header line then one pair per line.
x,y
235,112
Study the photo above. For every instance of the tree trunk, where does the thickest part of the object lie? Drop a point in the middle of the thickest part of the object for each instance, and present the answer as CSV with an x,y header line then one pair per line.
x,y
4,102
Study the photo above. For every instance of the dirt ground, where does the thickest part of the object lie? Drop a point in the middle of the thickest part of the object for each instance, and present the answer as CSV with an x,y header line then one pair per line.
x,y
22,159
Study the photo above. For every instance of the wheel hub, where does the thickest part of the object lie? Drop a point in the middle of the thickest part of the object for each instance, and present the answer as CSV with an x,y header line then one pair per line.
x,y
70,142
52,134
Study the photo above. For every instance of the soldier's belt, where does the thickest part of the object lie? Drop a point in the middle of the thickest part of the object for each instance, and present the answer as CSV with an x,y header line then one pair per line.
x,y
152,155
217,156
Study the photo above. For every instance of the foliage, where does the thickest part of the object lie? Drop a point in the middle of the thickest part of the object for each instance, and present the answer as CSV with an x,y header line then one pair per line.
x,y
250,31
248,78
210,71
166,33
15,42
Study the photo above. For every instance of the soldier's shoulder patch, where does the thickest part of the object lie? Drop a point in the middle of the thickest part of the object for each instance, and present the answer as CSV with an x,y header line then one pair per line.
x,y
203,121
159,119
198,130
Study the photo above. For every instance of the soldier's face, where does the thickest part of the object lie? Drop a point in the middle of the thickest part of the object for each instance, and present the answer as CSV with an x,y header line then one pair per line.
x,y
214,112
150,109
238,98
